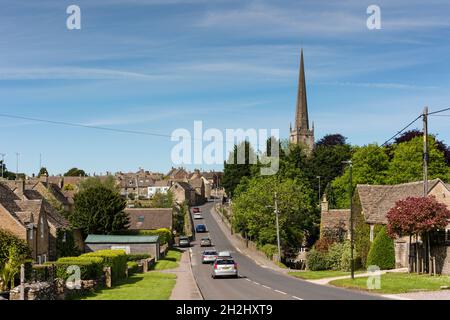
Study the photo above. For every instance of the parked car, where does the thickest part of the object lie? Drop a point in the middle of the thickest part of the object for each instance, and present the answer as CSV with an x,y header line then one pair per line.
x,y
198,216
200,228
184,242
209,256
196,210
224,267
205,242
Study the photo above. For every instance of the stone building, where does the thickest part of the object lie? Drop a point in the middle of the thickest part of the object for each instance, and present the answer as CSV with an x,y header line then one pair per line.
x,y
301,133
149,218
183,193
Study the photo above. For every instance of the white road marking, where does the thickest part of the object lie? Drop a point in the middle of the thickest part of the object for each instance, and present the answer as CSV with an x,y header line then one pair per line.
x,y
256,283
248,279
280,291
239,250
297,298
266,287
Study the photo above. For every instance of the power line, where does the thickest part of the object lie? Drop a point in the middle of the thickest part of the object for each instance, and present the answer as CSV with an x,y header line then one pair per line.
x,y
439,111
399,132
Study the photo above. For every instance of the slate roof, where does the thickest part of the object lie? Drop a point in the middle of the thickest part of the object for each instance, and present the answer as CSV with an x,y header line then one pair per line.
x,y
377,200
149,218
95,238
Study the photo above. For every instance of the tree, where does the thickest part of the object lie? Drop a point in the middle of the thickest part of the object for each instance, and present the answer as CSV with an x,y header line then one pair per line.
x,y
406,164
91,182
419,217
162,200
370,164
7,174
99,210
75,172
331,140
382,252
43,172
236,168
253,212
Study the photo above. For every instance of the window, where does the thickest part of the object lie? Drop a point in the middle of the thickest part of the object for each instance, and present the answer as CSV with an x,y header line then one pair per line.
x,y
42,227
30,233
141,219
44,258
39,259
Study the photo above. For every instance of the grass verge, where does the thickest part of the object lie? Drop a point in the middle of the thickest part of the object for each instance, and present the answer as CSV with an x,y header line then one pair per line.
x,y
143,286
397,283
170,261
315,275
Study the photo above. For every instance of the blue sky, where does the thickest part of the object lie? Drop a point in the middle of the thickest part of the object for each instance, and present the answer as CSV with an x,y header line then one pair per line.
x,y
158,65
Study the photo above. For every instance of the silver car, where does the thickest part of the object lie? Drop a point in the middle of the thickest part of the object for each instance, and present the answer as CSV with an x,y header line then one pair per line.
x,y
205,242
184,242
209,256
224,267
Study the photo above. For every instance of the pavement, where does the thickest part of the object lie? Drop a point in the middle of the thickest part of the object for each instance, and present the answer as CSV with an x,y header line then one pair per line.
x,y
259,279
185,287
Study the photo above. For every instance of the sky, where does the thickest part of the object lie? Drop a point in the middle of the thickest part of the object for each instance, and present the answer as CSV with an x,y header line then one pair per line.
x,y
159,65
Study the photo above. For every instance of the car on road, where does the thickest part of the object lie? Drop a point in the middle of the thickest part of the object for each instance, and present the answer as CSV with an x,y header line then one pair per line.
x,y
200,228
184,242
196,210
224,267
198,216
225,254
205,242
209,256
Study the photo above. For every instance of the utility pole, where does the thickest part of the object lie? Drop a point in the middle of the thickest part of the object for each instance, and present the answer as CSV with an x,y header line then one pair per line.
x,y
278,227
3,163
425,180
350,191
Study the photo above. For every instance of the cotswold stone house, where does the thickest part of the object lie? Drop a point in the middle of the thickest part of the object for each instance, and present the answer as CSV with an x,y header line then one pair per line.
x,y
149,218
373,202
27,219
183,192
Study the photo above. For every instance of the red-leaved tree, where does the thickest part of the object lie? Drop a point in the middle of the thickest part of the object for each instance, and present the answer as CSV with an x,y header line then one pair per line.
x,y
417,216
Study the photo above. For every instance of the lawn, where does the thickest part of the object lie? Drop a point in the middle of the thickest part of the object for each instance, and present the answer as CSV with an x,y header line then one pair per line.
x,y
398,283
315,275
142,286
170,261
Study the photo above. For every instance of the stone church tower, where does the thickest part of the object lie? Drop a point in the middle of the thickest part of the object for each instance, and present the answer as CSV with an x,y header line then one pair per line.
x,y
301,133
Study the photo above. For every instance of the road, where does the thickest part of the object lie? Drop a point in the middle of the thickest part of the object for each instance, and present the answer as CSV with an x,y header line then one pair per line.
x,y
254,282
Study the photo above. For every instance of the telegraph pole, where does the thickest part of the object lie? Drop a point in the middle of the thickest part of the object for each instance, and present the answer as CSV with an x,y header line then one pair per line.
x,y
425,151
350,191
278,227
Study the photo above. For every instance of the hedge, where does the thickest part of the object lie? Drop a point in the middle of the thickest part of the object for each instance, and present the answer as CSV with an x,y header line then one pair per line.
x,y
269,250
91,268
382,252
138,256
116,259
133,267
9,240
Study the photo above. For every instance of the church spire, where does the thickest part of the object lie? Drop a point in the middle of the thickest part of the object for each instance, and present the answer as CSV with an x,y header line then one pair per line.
x,y
301,115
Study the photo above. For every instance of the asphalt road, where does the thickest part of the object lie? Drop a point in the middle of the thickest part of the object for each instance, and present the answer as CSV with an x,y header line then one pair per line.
x,y
254,282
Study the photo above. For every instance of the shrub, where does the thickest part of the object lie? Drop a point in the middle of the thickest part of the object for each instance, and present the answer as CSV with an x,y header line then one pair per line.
x,y
382,252
133,267
269,250
91,268
116,259
316,260
137,257
323,244
334,256
9,240
346,261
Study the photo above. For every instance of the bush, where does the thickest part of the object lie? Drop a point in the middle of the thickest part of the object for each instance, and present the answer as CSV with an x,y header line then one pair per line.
x,y
316,260
382,252
137,257
133,267
91,268
116,259
334,256
269,250
9,240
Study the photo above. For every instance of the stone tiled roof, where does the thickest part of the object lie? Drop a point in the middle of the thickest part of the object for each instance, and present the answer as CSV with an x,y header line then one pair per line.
x,y
162,183
149,218
335,218
186,186
377,200
29,210
196,183
53,217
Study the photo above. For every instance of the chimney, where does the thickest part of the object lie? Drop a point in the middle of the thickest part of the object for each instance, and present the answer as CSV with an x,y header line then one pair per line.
x,y
324,204
20,188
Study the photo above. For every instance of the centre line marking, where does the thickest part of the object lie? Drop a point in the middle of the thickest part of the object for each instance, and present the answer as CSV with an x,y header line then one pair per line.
x,y
297,298
255,282
280,292
266,287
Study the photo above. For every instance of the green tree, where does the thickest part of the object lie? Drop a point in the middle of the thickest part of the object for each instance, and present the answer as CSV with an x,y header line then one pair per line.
x,y
7,174
406,164
43,172
370,165
253,212
382,252
236,167
75,172
99,210
92,182
162,200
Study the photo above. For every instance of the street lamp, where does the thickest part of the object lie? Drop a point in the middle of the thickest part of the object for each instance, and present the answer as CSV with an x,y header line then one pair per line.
x,y
350,191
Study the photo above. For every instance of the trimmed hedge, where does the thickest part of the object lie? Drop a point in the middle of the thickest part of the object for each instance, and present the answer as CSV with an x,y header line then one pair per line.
x,y
133,267
116,259
382,252
138,256
91,268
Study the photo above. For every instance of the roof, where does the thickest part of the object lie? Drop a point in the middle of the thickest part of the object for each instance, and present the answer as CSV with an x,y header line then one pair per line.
x,y
53,216
162,183
196,182
96,238
186,186
335,218
149,218
377,200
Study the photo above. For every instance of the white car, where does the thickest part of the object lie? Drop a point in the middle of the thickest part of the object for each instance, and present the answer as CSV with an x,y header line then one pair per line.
x,y
198,216
224,254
